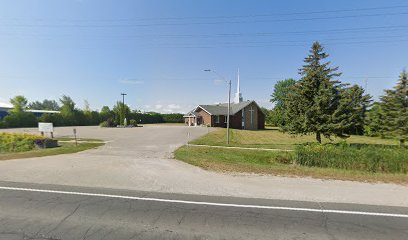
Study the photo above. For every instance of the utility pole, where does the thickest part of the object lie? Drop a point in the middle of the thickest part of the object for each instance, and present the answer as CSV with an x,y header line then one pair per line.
x,y
229,107
229,102
123,108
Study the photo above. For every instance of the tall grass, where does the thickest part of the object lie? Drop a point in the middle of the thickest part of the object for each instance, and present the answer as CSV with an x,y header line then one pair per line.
x,y
371,158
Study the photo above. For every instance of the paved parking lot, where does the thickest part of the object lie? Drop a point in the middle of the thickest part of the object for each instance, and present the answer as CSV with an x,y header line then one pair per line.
x,y
141,159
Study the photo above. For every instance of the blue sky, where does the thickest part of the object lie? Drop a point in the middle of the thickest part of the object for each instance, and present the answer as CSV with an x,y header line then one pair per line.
x,y
156,51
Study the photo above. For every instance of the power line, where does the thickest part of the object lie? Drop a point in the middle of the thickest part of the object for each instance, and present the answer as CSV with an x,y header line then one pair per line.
x,y
256,34
230,16
204,23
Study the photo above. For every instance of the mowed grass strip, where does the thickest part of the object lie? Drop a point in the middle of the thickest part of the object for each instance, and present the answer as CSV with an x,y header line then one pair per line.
x,y
273,138
64,148
274,163
79,139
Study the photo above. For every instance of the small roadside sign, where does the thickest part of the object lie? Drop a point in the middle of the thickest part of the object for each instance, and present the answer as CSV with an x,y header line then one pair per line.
x,y
75,132
45,127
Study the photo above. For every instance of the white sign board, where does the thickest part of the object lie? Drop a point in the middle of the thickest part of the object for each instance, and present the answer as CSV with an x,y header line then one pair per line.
x,y
45,127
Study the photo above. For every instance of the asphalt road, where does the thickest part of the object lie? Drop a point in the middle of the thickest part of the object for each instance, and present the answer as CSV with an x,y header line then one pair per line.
x,y
141,159
38,211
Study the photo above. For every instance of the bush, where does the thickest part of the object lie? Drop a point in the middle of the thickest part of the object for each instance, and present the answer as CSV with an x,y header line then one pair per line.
x,y
104,124
17,142
20,119
2,124
55,119
107,123
369,158
173,118
133,122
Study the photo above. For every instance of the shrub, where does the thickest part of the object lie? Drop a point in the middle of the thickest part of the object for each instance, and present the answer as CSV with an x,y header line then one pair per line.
x,y
107,123
55,119
104,124
17,142
20,119
133,122
370,158
173,118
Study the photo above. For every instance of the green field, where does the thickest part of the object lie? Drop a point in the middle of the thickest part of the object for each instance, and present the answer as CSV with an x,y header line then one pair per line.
x,y
361,159
273,138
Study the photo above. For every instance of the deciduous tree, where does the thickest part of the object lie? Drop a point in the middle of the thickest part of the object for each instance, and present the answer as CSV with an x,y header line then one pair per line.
x,y
19,104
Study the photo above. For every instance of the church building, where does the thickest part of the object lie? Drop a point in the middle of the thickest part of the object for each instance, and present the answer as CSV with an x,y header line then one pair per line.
x,y
243,114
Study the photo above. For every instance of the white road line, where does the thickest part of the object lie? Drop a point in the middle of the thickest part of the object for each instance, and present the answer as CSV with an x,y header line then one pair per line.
x,y
208,203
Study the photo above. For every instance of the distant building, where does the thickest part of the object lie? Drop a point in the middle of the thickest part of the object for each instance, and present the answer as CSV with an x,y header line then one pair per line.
x,y
243,114
4,111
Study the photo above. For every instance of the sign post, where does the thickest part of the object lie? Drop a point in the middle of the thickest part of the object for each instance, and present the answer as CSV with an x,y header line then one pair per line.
x,y
75,132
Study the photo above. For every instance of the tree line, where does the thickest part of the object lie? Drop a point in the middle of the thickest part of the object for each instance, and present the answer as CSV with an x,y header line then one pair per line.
x,y
70,115
320,104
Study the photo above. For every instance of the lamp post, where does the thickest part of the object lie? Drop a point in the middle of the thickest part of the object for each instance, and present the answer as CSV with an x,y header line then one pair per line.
x,y
123,108
229,101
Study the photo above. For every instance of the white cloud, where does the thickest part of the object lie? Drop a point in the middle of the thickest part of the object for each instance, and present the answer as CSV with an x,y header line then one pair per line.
x,y
173,106
5,104
131,81
218,81
167,108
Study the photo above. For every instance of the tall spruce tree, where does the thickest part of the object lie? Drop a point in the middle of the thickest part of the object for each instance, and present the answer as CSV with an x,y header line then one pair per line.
x,y
350,115
374,121
320,104
395,109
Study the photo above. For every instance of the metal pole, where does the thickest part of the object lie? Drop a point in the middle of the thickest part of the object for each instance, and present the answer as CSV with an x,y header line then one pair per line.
x,y
229,107
123,108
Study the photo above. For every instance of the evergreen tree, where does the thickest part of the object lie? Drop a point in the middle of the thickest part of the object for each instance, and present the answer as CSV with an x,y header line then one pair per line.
x,y
320,104
374,121
350,115
395,108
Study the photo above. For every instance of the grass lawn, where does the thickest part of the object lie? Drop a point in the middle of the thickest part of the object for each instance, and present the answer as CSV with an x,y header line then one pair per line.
x,y
163,124
275,163
273,138
79,139
64,148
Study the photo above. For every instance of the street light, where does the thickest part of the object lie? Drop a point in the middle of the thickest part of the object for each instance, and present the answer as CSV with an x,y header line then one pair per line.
x,y
123,108
229,100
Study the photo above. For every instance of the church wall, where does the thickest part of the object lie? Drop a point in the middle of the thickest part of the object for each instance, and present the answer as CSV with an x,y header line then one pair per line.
x,y
205,117
247,113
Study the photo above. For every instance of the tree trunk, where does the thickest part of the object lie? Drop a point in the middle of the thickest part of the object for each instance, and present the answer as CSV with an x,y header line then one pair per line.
x,y
318,137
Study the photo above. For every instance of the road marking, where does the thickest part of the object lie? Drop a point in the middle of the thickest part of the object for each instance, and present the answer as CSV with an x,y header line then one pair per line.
x,y
208,203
